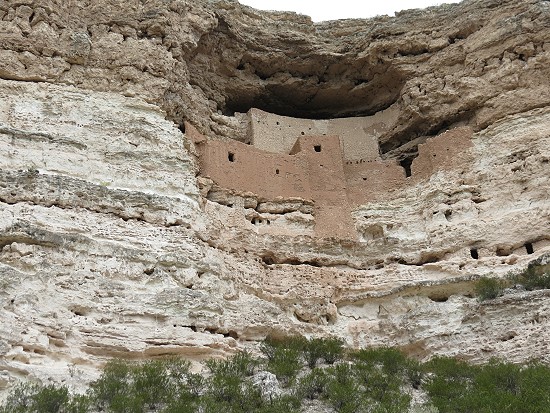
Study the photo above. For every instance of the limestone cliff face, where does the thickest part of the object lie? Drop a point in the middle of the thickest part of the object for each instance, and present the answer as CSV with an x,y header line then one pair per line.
x,y
114,242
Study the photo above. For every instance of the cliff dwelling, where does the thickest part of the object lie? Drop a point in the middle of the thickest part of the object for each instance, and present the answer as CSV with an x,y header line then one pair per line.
x,y
188,178
333,163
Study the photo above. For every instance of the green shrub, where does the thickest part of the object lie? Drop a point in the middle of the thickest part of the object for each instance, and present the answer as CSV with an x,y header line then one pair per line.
x,y
151,380
181,405
373,380
20,398
50,399
535,277
78,404
488,288
34,398
449,379
382,374
342,389
114,387
284,357
125,387
227,388
328,349
283,404
313,385
391,360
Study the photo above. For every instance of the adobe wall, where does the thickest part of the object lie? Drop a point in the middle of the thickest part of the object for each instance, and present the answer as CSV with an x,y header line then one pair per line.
x,y
358,135
264,174
314,169
367,181
445,151
327,182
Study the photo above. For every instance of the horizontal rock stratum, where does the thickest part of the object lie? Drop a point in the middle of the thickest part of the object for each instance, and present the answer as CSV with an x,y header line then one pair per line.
x,y
188,177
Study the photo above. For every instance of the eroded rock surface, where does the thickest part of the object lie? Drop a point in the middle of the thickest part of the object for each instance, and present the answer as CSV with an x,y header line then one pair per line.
x,y
114,245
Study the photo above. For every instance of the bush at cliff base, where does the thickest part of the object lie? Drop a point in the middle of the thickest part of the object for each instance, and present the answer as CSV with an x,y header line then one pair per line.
x,y
305,372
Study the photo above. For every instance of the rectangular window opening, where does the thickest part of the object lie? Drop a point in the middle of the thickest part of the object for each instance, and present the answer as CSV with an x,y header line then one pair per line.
x,y
231,157
529,248
317,148
474,253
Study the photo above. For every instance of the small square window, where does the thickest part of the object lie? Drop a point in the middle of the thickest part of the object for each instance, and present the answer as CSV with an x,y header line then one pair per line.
x,y
317,148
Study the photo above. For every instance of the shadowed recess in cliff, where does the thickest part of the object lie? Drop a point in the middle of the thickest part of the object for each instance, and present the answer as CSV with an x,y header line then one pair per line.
x,y
300,97
291,81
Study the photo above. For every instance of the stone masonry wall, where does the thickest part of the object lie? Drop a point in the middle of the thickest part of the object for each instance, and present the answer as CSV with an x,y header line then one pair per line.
x,y
315,169
358,136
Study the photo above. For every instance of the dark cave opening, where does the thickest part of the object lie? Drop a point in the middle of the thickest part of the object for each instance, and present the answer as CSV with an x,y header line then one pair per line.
x,y
406,164
308,104
307,94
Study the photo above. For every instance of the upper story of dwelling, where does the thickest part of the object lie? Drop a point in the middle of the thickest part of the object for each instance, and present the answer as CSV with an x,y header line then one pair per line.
x,y
358,136
326,161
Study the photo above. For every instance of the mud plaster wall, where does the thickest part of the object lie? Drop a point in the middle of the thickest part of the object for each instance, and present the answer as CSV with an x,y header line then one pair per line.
x,y
445,151
315,170
368,180
358,135
264,174
327,181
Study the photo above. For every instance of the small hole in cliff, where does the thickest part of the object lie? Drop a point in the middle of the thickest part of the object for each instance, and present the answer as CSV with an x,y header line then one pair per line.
x,y
406,164
303,133
529,248
277,123
448,214
231,157
508,336
232,334
277,171
502,252
438,298
317,148
364,179
182,128
149,271
268,260
474,253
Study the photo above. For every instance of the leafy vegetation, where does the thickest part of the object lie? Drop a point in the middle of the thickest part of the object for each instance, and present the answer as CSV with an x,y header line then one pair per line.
x,y
378,380
535,277
488,288
457,387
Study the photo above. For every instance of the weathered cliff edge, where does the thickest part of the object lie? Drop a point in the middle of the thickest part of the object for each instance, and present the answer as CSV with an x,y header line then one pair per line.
x,y
113,245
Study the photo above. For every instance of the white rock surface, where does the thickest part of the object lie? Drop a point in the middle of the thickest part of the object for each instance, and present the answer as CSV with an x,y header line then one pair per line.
x,y
109,250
